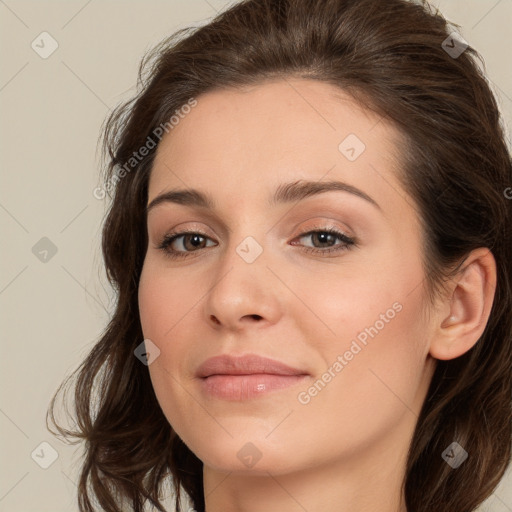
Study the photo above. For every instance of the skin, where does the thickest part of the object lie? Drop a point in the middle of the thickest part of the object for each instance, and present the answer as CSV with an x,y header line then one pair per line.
x,y
344,450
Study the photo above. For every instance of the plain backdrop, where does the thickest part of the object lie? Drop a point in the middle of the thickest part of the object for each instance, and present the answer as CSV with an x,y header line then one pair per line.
x,y
53,295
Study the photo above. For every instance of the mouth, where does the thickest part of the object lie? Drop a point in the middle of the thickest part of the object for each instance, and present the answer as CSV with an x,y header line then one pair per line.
x,y
242,378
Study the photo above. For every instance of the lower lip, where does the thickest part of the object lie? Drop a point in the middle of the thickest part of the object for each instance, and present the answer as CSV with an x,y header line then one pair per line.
x,y
245,387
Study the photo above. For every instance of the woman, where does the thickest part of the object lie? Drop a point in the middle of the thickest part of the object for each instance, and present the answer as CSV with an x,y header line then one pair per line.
x,y
341,338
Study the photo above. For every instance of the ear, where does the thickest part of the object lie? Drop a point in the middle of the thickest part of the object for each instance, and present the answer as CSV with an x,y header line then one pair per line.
x,y
464,312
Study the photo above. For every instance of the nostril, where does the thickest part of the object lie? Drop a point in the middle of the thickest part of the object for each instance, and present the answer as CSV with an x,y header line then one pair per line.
x,y
214,319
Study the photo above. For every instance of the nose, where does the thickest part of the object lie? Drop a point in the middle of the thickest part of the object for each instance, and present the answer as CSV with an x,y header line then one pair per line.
x,y
242,294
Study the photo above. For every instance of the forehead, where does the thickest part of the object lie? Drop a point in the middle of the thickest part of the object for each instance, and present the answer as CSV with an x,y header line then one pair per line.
x,y
276,131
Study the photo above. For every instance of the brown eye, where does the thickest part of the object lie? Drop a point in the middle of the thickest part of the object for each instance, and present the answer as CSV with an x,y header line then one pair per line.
x,y
326,239
179,244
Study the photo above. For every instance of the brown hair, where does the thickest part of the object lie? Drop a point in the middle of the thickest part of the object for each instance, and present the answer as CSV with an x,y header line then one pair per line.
x,y
389,55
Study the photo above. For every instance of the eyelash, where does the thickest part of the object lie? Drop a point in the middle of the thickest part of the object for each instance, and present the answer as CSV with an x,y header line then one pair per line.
x,y
168,239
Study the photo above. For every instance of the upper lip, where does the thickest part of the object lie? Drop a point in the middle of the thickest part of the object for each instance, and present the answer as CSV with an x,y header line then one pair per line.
x,y
244,365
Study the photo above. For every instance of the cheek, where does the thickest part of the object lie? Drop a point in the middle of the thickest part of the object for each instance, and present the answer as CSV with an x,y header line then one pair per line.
x,y
164,298
374,302
377,327
161,306
167,308
383,352
378,383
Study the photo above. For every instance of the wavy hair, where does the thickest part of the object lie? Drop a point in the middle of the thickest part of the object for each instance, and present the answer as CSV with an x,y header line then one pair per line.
x,y
391,57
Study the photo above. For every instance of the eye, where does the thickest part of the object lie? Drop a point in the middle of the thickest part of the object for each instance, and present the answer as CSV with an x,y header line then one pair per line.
x,y
325,237
189,239
193,241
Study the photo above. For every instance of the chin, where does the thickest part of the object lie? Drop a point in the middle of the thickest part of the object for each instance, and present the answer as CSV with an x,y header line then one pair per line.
x,y
250,455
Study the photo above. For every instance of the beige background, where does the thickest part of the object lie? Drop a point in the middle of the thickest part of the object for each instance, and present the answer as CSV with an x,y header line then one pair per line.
x,y
52,109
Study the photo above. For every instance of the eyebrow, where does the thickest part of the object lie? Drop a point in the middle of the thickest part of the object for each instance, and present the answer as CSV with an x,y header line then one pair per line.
x,y
285,193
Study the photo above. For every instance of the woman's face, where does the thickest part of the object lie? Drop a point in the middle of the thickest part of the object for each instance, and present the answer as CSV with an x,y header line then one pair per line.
x,y
345,311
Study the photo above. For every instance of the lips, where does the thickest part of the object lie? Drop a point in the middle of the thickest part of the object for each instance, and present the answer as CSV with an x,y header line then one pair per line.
x,y
247,377
245,365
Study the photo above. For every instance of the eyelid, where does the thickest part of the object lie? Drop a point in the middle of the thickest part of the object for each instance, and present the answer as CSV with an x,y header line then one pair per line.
x,y
319,223
186,227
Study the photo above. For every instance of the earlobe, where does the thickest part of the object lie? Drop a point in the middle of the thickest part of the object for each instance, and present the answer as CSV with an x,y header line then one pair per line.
x,y
464,314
